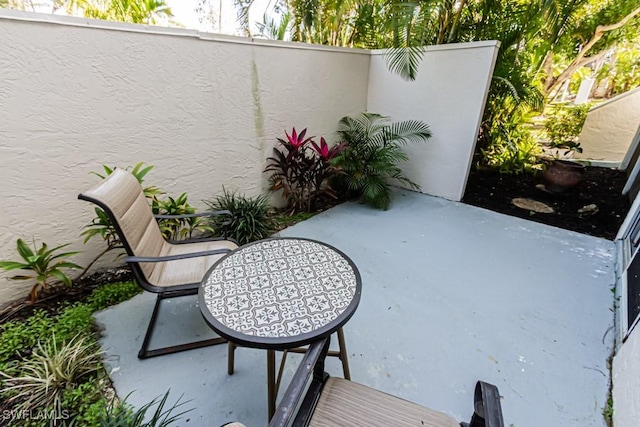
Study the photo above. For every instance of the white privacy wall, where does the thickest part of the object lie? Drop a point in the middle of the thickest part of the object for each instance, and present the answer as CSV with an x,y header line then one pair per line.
x,y
205,112
448,94
204,109
610,128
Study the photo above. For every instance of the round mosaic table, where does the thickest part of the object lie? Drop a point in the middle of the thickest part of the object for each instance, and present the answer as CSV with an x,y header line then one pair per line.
x,y
278,294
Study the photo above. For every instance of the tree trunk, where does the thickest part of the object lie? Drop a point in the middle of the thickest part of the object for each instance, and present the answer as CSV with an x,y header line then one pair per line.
x,y
580,59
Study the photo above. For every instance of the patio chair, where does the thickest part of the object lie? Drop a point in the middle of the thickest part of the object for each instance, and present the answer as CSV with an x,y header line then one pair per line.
x,y
168,269
336,401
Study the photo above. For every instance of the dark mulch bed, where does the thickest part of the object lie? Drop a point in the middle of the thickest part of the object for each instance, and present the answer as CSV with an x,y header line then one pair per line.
x,y
601,186
51,300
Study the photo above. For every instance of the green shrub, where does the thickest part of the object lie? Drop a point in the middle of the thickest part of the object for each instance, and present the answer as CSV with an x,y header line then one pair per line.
x,y
249,218
16,338
85,403
73,320
373,152
564,126
51,369
112,294
513,150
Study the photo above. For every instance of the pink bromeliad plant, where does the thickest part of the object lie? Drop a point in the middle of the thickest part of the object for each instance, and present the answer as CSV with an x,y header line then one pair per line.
x,y
302,169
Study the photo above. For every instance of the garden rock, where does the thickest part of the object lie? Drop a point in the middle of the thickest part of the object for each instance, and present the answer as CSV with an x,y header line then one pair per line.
x,y
588,210
532,205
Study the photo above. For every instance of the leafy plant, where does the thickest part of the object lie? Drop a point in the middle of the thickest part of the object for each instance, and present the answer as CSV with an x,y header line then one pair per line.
x,y
513,152
373,151
178,228
139,170
121,415
44,264
50,371
249,216
112,293
302,169
564,126
17,338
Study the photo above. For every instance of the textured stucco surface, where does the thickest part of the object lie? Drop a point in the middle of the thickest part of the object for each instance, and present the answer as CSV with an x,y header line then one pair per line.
x,y
610,128
448,94
205,112
626,383
205,109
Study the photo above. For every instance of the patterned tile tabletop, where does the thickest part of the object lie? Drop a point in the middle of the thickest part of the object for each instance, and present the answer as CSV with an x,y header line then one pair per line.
x,y
280,288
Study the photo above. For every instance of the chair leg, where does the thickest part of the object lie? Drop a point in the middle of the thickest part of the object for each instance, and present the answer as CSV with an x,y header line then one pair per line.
x,y
231,357
145,353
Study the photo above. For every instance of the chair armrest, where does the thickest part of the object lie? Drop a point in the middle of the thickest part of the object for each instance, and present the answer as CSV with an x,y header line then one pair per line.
x,y
487,410
312,365
193,215
176,257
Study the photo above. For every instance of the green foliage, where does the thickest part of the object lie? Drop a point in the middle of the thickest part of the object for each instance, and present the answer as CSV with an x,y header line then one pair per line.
x,y
85,403
607,411
112,294
43,263
249,216
623,73
134,11
513,152
18,337
302,169
564,126
49,371
121,415
178,228
101,226
372,155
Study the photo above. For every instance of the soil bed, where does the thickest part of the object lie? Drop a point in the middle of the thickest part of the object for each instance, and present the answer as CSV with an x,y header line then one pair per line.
x,y
600,186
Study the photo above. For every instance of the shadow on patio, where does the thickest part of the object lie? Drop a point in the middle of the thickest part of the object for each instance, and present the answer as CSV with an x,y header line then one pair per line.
x,y
451,294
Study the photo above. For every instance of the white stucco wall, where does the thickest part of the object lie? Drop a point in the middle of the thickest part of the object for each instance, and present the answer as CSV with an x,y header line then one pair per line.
x,y
626,383
204,109
449,95
610,128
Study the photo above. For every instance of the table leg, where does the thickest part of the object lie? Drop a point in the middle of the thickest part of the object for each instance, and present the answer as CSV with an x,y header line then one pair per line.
x,y
344,357
271,382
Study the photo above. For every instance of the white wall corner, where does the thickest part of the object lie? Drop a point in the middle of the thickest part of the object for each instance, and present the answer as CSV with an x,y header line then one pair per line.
x,y
449,94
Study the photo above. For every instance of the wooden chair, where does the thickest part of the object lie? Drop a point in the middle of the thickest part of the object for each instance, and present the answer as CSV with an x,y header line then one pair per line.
x,y
335,401
168,269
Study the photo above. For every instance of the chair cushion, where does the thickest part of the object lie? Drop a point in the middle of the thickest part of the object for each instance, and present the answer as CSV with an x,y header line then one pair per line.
x,y
346,403
189,270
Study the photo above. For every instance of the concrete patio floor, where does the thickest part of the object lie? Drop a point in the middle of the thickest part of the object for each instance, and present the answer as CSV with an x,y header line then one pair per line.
x,y
451,294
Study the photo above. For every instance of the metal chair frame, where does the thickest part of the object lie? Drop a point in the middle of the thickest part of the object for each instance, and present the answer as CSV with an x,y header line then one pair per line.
x,y
301,397
168,291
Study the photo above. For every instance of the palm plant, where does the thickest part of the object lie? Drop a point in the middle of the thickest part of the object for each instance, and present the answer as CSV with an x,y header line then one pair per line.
x,y
373,151
44,264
